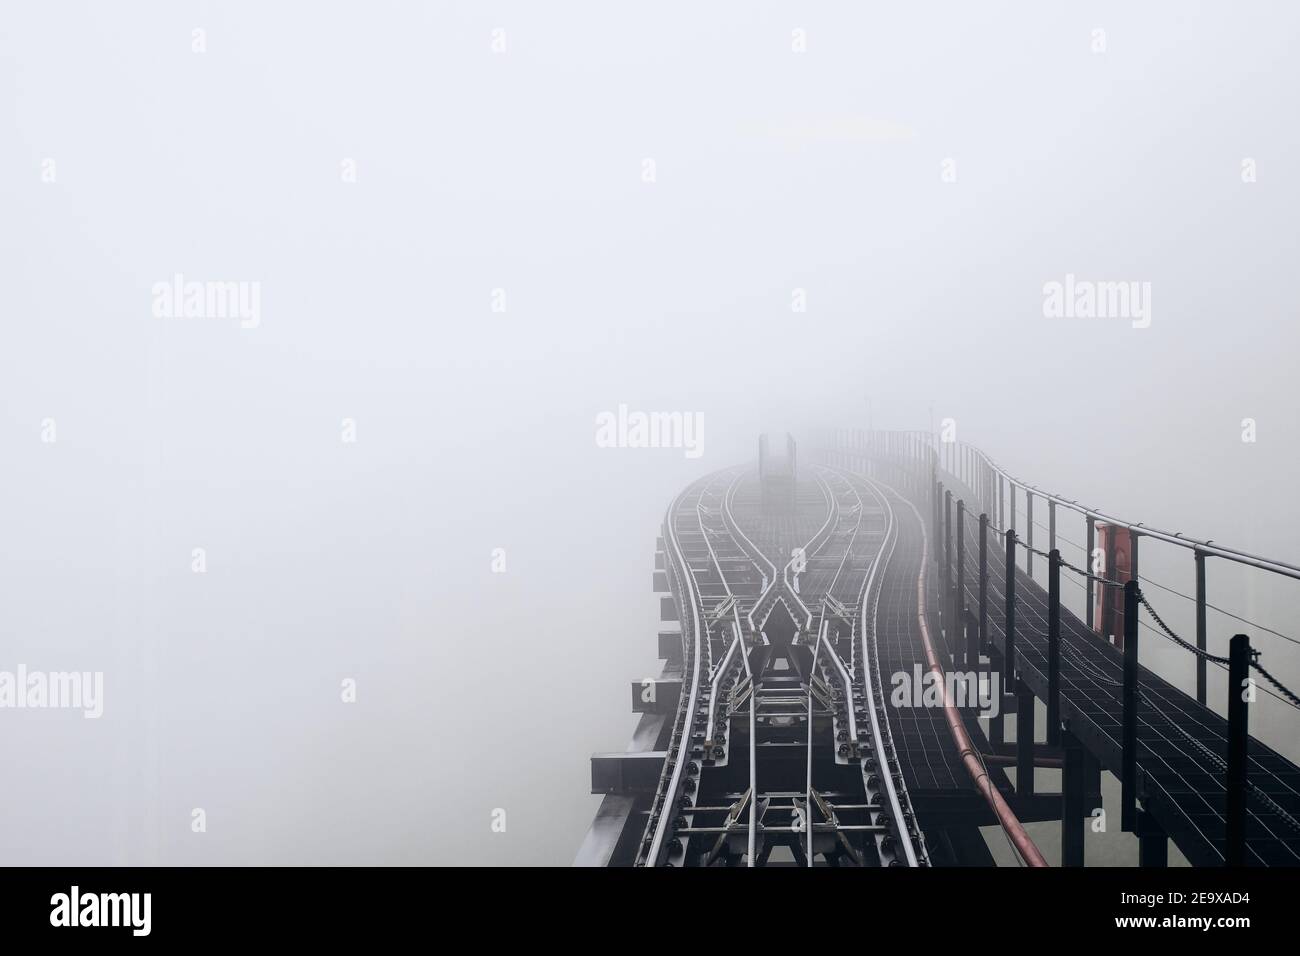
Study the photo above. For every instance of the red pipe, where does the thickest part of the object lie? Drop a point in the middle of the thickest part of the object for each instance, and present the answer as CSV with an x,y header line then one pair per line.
x,y
1015,830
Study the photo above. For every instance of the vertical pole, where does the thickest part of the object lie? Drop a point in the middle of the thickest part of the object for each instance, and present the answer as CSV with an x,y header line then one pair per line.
x,y
1087,563
1200,626
1128,755
1029,531
1133,554
1153,842
1051,525
972,642
947,554
1072,809
1110,598
1234,848
1011,512
1009,644
1091,780
1054,649
938,520
1002,514
959,594
984,582
997,725
1024,740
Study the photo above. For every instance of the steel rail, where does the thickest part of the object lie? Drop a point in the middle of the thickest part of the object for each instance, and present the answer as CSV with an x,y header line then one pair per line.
x,y
718,673
853,538
835,659
845,677
726,514
754,552
713,555
871,684
682,571
748,546
808,800
753,757
811,548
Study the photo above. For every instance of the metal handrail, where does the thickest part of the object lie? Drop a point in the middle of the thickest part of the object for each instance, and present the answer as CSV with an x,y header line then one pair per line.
x,y
1172,537
1207,547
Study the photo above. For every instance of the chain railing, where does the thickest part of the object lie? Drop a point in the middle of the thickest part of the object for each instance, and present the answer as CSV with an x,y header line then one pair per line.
x,y
915,454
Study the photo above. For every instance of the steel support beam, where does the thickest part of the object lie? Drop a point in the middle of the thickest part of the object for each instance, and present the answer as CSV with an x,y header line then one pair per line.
x,y
1128,756
1200,625
1024,740
1073,812
1238,738
1054,649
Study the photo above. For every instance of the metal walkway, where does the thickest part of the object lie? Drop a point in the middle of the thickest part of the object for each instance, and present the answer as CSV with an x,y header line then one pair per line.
x,y
1182,743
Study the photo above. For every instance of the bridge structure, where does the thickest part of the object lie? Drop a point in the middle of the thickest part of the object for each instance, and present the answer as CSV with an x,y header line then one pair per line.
x,y
848,646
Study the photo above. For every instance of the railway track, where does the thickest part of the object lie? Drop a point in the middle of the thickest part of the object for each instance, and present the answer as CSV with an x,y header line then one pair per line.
x,y
780,749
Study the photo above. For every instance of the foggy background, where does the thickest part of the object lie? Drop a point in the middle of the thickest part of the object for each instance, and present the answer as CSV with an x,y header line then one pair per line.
x,y
522,170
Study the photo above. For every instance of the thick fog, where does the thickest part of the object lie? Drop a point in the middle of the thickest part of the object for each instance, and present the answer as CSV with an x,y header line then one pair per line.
x,y
464,232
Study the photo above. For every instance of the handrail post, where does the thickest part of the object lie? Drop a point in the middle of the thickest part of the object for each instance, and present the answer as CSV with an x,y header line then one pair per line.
x,y
1072,796
959,595
1054,648
1128,756
1200,626
984,582
1234,841
947,556
1088,565
1133,536
972,642
1051,525
1029,531
1009,642
1024,740
938,520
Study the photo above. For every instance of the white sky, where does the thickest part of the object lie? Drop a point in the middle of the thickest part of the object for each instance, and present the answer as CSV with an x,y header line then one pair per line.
x,y
522,171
